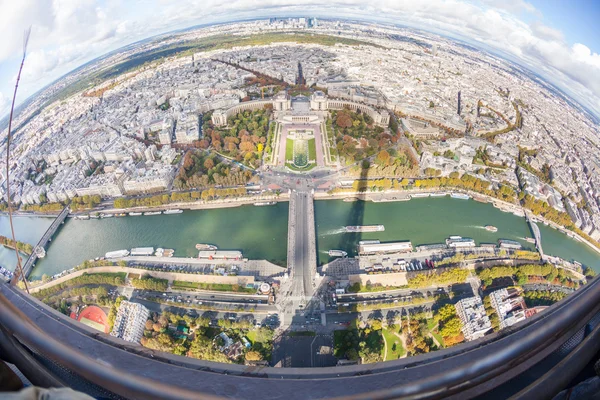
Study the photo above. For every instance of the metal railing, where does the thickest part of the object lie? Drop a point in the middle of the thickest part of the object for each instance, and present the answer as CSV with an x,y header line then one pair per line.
x,y
478,367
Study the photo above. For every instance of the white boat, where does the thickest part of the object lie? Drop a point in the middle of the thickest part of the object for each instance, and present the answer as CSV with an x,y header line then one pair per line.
x,y
153,213
375,241
202,246
117,254
491,228
135,214
337,253
365,228
439,194
265,203
176,211
460,196
417,195
142,251
459,242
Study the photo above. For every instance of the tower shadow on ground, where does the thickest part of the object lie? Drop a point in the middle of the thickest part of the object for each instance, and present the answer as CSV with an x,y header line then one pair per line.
x,y
302,344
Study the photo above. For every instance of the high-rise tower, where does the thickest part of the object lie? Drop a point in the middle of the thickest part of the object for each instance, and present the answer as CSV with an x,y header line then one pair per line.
x,y
458,109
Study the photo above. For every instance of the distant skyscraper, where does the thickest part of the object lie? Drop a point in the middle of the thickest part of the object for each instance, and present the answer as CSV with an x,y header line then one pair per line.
x,y
300,78
458,110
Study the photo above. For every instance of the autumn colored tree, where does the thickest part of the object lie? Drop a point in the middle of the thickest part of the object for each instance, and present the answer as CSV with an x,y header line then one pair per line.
x,y
343,120
253,356
209,163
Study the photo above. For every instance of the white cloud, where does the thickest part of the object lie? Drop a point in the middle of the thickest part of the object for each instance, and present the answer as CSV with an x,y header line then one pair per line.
x,y
546,32
4,104
67,33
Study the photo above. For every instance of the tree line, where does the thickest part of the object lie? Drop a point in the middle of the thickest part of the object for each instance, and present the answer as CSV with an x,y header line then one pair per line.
x,y
177,197
522,274
21,246
147,282
442,276
202,170
534,298
113,279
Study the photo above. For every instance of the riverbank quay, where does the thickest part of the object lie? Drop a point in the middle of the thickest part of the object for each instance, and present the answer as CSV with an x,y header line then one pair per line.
x,y
30,214
36,286
198,205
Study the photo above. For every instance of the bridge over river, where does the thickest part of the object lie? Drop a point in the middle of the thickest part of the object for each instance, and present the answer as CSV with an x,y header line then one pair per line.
x,y
536,234
39,248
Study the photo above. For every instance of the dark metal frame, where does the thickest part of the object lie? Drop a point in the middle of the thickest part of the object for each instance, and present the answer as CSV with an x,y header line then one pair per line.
x,y
483,371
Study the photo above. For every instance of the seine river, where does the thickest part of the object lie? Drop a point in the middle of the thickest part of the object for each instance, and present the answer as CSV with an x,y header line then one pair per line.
x,y
432,220
261,232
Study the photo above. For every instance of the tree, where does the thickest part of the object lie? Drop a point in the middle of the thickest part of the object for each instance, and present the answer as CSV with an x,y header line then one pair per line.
x,y
343,120
253,356
446,312
188,161
451,327
383,156
209,163
589,273
376,325
149,325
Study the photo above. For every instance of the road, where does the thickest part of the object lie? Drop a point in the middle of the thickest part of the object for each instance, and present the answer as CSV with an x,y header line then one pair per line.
x,y
301,288
216,297
189,301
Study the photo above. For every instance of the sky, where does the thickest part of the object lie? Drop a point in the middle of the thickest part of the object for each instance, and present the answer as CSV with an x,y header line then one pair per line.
x,y
558,39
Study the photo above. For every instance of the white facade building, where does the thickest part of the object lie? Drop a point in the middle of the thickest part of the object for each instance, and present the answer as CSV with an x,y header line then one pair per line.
x,y
130,321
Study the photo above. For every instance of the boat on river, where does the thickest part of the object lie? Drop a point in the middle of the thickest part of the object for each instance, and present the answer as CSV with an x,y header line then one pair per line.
x,y
460,196
491,228
153,213
364,228
265,203
337,253
203,246
117,254
134,214
175,211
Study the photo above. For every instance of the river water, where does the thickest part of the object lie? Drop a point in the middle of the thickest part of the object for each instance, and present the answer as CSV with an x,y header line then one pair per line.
x,y
432,220
261,232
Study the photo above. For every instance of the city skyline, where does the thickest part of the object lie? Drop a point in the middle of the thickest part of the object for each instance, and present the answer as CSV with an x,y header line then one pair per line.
x,y
562,51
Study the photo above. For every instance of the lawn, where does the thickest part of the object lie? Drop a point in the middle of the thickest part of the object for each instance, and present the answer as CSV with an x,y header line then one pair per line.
x,y
218,287
289,151
251,335
312,150
431,325
394,345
